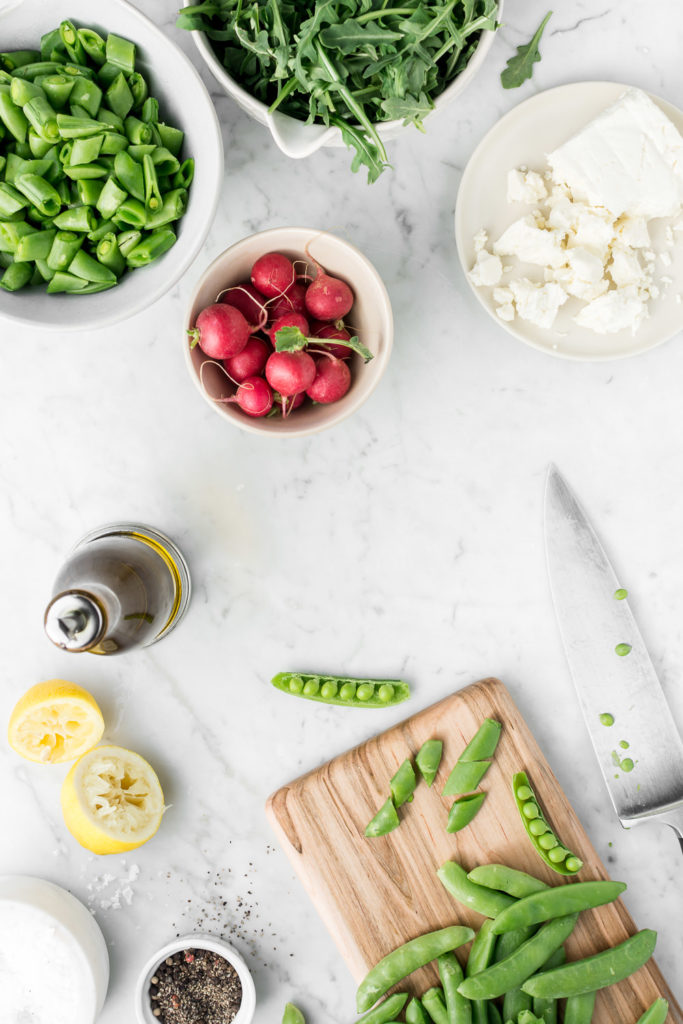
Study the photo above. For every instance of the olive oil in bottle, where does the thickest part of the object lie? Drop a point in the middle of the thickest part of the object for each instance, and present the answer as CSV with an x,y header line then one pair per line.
x,y
123,586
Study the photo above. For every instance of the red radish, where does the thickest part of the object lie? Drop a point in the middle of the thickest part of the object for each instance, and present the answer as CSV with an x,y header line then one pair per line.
x,y
321,330
254,397
247,299
289,320
250,361
290,372
328,298
332,380
273,274
220,331
287,405
294,301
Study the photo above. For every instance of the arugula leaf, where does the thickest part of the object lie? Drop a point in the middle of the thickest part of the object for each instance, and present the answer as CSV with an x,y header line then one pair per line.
x,y
349,36
520,67
409,110
292,339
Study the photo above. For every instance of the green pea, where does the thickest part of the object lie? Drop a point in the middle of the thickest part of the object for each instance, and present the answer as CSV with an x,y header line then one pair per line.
x,y
627,765
342,690
311,686
624,744
524,793
622,650
557,854
385,692
348,691
606,718
530,810
296,684
543,839
537,827
548,841
328,689
365,691
573,864
620,594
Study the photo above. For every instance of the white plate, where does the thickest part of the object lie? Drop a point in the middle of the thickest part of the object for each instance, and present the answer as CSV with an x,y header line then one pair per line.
x,y
522,138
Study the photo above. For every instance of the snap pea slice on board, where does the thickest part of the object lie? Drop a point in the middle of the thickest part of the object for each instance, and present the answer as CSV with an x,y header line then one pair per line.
x,y
293,1015
344,691
546,1009
464,809
435,1005
385,821
579,1009
465,776
484,742
386,1011
557,902
594,972
655,1014
408,958
428,759
458,1008
498,876
403,784
481,954
485,901
542,837
515,969
416,1013
474,761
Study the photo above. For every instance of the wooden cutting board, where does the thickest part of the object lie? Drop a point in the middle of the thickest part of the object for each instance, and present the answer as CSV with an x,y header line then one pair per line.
x,y
374,894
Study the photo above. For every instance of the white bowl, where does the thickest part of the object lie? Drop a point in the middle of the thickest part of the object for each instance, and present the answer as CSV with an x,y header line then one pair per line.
x,y
297,139
372,321
198,941
184,102
65,913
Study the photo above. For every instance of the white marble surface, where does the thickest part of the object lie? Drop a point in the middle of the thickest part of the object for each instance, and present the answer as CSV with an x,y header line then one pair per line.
x,y
408,540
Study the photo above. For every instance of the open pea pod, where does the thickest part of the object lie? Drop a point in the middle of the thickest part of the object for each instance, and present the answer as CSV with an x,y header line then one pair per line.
x,y
343,690
543,839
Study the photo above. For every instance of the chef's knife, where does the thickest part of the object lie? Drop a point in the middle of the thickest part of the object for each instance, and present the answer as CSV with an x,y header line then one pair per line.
x,y
595,623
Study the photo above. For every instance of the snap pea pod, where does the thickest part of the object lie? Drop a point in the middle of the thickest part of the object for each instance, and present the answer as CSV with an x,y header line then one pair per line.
x,y
498,876
416,1013
386,1011
579,1009
594,972
428,759
542,837
343,690
484,901
385,821
403,784
656,1013
435,1005
481,954
527,1017
458,1008
494,1014
465,776
556,902
464,809
293,1015
514,1000
408,958
516,968
475,759
546,1009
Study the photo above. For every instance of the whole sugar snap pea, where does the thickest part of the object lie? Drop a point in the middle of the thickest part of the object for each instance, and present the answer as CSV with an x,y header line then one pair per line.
x,y
435,1005
542,837
386,1011
579,1009
293,1015
464,809
527,1017
343,690
655,1014
403,784
514,1001
498,876
477,897
428,759
516,968
594,972
385,821
494,1014
458,1008
556,902
416,1013
480,956
408,958
546,1009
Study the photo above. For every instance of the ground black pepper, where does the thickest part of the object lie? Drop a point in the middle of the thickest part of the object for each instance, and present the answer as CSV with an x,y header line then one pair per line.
x,y
195,986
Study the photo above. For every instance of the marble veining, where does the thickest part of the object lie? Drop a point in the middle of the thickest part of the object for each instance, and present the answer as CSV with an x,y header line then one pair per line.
x,y
408,540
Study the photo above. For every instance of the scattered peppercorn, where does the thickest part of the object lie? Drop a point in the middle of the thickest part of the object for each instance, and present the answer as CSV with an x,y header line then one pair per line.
x,y
195,985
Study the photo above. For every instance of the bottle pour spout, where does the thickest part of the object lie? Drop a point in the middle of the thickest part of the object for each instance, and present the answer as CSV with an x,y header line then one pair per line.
x,y
74,621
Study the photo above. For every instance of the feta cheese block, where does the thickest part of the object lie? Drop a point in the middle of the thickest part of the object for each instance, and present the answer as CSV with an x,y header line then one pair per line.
x,y
629,160
614,311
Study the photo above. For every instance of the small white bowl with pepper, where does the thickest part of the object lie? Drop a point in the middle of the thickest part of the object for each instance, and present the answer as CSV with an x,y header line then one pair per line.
x,y
195,978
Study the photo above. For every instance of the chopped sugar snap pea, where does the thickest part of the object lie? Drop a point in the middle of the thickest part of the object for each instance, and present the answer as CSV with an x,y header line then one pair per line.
x,y
293,1015
385,821
428,759
622,650
542,837
403,784
342,690
463,811
465,777
475,759
656,1013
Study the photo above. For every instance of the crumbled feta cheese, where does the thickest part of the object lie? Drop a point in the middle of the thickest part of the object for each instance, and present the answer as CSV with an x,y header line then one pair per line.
x,y
666,281
538,303
583,275
531,244
593,229
526,187
480,239
669,236
626,268
665,258
633,231
487,269
614,311
503,295
506,312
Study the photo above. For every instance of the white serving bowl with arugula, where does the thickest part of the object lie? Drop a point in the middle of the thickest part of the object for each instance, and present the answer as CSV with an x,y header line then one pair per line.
x,y
175,83
342,77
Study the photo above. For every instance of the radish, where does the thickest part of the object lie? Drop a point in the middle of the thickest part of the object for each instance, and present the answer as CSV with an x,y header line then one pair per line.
x,y
220,331
332,380
321,330
250,361
247,299
254,397
293,301
290,372
273,274
289,320
287,405
327,298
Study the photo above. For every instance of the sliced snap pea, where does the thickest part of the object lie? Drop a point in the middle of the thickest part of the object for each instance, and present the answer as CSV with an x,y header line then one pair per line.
x,y
542,837
16,276
546,1009
386,1011
293,1015
480,956
515,969
435,1005
416,1013
386,692
557,902
408,958
35,246
86,266
403,783
93,44
458,1008
484,742
465,777
656,1013
428,759
484,901
121,52
499,876
464,810
594,972
385,821
579,1009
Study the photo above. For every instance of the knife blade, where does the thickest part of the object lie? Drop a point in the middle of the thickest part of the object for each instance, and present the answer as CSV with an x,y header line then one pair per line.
x,y
593,624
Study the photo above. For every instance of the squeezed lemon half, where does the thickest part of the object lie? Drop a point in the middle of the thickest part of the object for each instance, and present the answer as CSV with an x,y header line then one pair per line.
x,y
112,800
55,721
